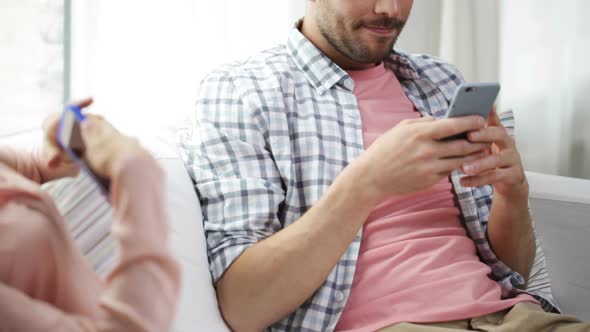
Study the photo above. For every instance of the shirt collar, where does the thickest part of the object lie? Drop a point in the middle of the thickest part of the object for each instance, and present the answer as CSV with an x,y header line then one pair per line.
x,y
401,64
324,74
320,70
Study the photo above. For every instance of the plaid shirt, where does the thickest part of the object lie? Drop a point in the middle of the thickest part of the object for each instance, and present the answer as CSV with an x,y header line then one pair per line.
x,y
270,136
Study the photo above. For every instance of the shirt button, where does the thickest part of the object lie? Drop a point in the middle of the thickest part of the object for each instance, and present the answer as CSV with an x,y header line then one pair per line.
x,y
339,296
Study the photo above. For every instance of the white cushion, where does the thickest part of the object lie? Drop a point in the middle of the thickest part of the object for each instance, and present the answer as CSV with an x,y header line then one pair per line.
x,y
198,309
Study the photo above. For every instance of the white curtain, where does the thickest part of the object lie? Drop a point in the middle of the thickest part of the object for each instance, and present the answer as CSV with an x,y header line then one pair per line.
x,y
421,34
143,60
469,37
463,32
546,79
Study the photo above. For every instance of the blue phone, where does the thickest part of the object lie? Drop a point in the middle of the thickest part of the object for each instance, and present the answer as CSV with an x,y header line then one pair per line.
x,y
70,139
473,99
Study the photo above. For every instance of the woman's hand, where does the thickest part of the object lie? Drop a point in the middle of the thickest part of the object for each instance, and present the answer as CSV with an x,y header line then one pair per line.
x,y
54,161
107,149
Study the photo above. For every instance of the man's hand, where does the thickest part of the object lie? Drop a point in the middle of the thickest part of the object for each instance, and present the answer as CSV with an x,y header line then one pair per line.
x,y
411,156
502,167
510,227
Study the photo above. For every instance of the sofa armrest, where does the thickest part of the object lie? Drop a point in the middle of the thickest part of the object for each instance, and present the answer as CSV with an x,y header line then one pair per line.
x,y
560,208
559,188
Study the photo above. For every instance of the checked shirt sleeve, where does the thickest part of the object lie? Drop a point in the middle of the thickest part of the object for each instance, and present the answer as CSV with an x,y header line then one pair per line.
x,y
226,153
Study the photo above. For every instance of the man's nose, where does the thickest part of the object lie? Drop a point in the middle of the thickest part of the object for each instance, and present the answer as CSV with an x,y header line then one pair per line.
x,y
389,8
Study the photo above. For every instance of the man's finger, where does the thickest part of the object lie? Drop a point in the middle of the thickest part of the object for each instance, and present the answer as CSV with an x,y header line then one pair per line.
x,y
460,148
449,127
450,164
425,119
494,119
497,160
487,178
419,120
497,135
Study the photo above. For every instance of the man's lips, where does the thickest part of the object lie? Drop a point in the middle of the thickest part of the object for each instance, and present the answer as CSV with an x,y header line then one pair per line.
x,y
380,31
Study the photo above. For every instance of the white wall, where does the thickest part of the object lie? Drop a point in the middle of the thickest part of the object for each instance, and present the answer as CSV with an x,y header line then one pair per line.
x,y
143,60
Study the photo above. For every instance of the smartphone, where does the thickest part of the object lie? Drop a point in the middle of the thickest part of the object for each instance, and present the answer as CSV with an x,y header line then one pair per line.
x,y
473,99
70,139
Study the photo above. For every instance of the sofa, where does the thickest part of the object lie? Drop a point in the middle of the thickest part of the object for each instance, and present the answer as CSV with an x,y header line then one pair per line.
x,y
560,208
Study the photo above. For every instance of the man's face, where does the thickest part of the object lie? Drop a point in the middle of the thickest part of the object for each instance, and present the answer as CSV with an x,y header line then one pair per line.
x,y
362,30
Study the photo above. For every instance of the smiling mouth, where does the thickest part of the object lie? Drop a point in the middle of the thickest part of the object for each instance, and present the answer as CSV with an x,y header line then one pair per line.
x,y
380,31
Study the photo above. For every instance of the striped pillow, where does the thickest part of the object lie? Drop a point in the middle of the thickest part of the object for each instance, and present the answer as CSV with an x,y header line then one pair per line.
x,y
88,217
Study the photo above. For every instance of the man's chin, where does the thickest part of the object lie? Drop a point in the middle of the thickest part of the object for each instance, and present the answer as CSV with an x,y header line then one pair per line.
x,y
376,57
379,52
370,52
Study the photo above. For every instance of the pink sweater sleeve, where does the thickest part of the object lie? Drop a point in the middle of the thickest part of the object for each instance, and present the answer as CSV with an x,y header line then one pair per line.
x,y
142,292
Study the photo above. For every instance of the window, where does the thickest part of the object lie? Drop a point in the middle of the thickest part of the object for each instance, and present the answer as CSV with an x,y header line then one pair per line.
x,y
32,66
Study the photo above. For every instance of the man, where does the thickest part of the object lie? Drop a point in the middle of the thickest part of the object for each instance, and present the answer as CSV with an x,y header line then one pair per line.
x,y
330,201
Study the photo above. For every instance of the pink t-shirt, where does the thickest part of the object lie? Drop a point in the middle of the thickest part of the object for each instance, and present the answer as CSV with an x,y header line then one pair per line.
x,y
416,262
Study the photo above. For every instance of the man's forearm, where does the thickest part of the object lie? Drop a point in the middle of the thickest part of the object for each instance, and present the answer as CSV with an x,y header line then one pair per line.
x,y
510,231
274,277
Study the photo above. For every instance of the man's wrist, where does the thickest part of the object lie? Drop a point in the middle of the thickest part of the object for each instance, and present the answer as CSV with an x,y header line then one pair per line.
x,y
513,202
359,179
516,193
